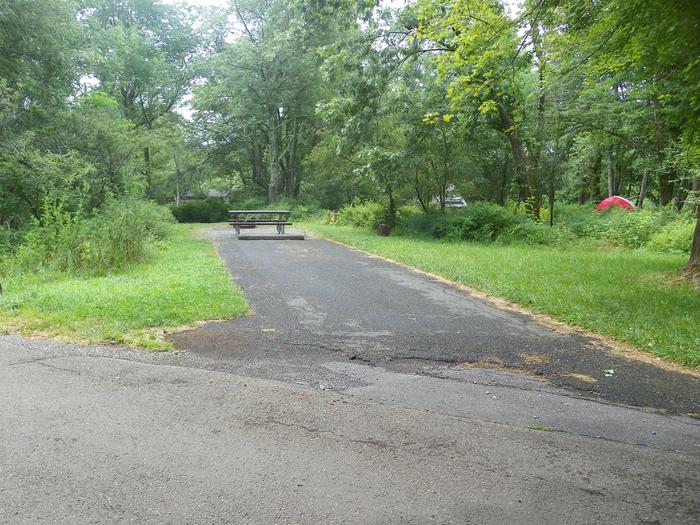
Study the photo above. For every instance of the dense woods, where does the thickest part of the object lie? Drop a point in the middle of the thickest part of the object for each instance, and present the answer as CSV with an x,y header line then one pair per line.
x,y
327,103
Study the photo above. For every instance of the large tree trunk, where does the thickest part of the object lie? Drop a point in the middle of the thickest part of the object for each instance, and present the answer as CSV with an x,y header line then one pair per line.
x,y
692,270
274,160
258,171
665,188
291,182
642,190
392,206
522,174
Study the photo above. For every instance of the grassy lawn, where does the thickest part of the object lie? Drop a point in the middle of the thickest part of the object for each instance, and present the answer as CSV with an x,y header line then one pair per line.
x,y
625,294
184,282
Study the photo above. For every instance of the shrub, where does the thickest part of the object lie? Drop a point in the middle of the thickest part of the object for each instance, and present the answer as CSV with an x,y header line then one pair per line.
x,y
578,219
363,214
675,237
253,202
531,232
479,221
412,220
299,211
203,210
117,234
9,240
624,228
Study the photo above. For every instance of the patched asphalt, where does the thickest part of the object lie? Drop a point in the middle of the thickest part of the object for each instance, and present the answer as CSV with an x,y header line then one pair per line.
x,y
316,301
344,399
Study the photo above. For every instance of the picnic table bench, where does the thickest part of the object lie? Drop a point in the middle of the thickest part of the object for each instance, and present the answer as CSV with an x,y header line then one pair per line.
x,y
252,218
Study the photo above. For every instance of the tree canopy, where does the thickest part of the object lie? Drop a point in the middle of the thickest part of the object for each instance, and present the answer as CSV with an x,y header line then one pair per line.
x,y
330,102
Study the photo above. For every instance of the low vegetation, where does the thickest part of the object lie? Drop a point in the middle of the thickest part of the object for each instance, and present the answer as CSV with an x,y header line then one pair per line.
x,y
663,230
585,275
124,275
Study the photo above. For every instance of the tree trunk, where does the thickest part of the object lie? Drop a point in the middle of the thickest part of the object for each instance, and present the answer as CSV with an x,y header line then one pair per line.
x,y
682,194
551,199
392,206
291,183
274,160
147,171
665,188
258,173
642,190
525,193
692,270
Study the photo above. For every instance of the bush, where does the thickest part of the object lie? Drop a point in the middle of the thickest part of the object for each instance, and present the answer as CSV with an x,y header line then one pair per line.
x,y
675,237
479,221
117,234
203,210
578,219
531,232
367,214
623,228
412,220
299,211
253,202
9,240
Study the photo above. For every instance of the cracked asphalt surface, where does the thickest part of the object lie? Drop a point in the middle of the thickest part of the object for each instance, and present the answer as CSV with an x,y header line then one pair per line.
x,y
345,399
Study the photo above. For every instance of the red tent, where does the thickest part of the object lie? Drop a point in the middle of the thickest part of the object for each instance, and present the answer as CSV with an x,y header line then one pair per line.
x,y
614,201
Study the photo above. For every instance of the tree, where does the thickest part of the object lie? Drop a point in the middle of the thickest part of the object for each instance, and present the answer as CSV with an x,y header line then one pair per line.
x,y
143,55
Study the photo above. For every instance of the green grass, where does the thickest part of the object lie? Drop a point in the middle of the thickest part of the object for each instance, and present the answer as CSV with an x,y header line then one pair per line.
x,y
183,282
625,294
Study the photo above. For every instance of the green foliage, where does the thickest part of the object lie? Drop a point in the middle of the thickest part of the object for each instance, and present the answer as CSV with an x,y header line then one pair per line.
x,y
202,210
622,228
479,221
366,214
115,235
251,202
182,283
536,233
662,230
9,240
674,237
299,211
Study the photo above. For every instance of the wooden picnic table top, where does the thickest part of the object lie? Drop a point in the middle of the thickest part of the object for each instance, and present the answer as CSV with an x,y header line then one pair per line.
x,y
239,212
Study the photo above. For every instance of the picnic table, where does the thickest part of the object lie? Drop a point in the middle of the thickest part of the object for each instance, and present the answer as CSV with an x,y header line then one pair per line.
x,y
252,218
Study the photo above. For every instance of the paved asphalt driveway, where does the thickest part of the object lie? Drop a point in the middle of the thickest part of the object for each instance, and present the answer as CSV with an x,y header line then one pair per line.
x,y
344,400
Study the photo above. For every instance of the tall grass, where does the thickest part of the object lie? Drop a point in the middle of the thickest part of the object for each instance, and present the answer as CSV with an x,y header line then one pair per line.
x,y
119,233
182,282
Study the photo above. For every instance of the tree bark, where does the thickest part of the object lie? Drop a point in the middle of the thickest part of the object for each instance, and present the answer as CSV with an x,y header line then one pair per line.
x,y
147,171
274,160
665,188
692,270
526,193
291,184
642,190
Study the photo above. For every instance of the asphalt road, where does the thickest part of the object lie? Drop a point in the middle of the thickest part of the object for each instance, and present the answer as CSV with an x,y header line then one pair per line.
x,y
315,298
343,400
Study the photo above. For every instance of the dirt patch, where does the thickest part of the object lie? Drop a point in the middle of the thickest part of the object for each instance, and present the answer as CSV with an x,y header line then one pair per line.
x,y
583,378
535,359
495,363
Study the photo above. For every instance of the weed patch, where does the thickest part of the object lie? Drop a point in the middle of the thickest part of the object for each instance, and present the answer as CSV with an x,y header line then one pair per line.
x,y
182,282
